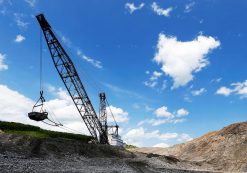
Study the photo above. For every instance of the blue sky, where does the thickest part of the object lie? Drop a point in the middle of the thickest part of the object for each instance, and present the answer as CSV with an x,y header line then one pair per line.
x,y
172,70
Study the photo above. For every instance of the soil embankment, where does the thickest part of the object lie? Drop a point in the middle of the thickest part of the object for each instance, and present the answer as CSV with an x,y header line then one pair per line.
x,y
22,153
223,150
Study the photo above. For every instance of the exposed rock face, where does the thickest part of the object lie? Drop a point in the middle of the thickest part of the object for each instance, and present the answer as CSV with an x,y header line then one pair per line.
x,y
224,150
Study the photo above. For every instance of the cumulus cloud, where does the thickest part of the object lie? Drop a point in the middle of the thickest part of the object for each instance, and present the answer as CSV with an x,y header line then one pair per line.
x,y
16,110
224,91
3,66
138,136
132,8
180,60
153,80
119,114
19,38
182,112
163,112
164,117
188,7
198,92
160,11
239,88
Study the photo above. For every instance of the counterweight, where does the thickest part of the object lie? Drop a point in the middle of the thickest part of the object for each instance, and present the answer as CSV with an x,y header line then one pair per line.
x,y
72,82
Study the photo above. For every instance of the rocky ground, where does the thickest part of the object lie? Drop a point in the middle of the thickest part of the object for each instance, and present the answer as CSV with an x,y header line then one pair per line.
x,y
20,153
223,150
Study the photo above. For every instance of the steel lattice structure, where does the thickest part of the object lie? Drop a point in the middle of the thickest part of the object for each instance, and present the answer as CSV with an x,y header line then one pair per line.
x,y
103,113
72,82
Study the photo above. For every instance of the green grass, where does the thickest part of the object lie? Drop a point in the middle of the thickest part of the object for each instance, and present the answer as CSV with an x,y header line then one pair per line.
x,y
130,146
23,129
36,134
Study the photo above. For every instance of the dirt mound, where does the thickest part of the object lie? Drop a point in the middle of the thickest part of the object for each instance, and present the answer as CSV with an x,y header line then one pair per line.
x,y
28,146
223,150
22,153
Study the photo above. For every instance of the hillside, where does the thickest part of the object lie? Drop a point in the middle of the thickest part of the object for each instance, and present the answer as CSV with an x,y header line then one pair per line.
x,y
24,148
31,149
224,150
24,129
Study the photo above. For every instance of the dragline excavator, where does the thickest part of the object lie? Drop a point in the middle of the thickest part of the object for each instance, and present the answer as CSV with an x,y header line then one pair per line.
x,y
97,126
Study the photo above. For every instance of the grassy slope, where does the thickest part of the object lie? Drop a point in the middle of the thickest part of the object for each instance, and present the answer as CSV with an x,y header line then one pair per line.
x,y
23,129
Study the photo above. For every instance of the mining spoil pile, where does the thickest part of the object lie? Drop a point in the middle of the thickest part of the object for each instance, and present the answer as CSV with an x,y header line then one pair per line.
x,y
223,150
22,153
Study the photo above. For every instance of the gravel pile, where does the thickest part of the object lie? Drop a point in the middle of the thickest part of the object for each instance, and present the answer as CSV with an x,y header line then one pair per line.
x,y
27,154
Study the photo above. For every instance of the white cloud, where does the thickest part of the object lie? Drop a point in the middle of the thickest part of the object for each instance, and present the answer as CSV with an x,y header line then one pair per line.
x,y
218,80
31,3
182,112
19,38
162,145
139,136
155,75
180,60
239,88
132,8
152,81
188,7
198,92
224,91
3,66
119,114
150,84
92,61
163,112
184,137
160,11
157,122
16,110
19,20
164,117
78,51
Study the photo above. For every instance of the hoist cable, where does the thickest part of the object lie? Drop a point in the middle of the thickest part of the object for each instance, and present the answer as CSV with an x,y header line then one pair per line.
x,y
111,112
59,124
41,60
88,78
